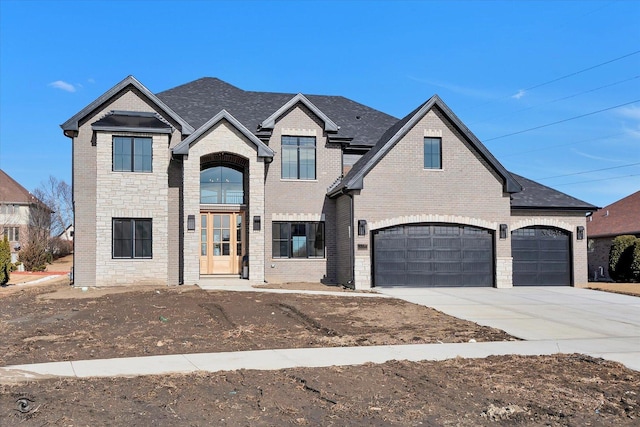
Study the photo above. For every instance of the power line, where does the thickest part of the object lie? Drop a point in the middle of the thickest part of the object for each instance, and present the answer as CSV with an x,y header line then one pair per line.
x,y
590,171
561,121
596,180
582,71
562,77
557,100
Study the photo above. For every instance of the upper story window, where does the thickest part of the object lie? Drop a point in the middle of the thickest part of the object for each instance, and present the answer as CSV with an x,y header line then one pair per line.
x,y
8,209
298,157
132,154
221,185
432,153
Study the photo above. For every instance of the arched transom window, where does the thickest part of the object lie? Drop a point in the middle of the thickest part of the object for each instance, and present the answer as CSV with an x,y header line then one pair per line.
x,y
221,185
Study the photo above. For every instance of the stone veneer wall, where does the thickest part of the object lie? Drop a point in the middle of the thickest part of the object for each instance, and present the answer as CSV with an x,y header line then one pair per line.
x,y
131,195
85,187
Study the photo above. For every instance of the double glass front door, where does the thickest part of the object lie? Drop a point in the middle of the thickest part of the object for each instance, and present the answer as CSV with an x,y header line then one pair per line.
x,y
221,242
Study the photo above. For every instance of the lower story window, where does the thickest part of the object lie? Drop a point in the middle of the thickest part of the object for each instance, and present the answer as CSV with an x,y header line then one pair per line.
x,y
12,233
132,238
298,240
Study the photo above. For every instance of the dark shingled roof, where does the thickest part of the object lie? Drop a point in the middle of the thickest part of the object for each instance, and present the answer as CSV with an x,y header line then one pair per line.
x,y
200,100
537,196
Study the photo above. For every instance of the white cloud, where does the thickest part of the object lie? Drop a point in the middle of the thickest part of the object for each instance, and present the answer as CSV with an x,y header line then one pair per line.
x,y
62,85
592,157
91,80
519,95
631,112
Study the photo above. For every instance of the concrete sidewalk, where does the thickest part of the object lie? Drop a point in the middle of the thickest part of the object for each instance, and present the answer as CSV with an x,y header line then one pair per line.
x,y
302,357
552,320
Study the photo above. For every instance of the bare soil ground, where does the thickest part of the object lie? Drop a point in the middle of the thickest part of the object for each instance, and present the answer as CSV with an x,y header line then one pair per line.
x,y
53,322
57,322
619,288
561,390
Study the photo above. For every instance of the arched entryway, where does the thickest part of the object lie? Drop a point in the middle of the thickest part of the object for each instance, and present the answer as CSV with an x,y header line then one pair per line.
x,y
223,207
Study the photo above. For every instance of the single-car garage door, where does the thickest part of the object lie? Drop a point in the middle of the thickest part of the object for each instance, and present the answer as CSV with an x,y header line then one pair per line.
x,y
433,255
541,256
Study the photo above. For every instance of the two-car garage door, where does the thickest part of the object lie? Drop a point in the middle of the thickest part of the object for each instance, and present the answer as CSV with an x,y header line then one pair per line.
x,y
446,255
433,255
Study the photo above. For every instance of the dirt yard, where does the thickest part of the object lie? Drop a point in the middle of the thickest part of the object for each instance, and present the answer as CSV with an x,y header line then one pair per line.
x,y
56,322
566,390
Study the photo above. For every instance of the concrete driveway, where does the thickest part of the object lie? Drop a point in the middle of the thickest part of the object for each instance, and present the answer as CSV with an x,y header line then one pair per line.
x,y
579,320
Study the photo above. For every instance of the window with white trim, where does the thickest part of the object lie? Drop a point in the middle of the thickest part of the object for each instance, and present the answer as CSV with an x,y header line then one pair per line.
x,y
12,233
432,153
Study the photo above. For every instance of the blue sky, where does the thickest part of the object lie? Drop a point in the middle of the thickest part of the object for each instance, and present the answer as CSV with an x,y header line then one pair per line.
x,y
504,67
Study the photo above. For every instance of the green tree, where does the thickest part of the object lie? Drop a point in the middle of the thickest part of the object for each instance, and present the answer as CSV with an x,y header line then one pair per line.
x,y
5,261
621,258
635,264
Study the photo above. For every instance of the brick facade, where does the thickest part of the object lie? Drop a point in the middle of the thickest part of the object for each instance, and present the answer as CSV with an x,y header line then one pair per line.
x,y
397,189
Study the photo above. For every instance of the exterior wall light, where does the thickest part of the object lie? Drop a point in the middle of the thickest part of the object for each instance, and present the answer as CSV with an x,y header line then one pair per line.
x,y
580,232
256,223
191,223
503,231
362,227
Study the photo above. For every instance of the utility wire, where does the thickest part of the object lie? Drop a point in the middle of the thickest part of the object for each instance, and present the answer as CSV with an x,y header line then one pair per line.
x,y
562,77
561,121
596,180
582,71
590,171
557,100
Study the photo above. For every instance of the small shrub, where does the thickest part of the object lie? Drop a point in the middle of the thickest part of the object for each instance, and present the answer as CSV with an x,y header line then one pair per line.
x,y
621,257
34,257
635,264
5,261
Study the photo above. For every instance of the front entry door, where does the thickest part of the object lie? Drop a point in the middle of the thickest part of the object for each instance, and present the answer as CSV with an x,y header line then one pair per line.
x,y
221,242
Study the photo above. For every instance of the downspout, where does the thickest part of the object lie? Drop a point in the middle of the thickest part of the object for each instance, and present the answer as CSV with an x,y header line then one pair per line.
x,y
351,242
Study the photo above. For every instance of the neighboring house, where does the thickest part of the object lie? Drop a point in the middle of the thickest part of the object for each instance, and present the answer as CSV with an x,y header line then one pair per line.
x,y
67,234
195,181
617,219
16,208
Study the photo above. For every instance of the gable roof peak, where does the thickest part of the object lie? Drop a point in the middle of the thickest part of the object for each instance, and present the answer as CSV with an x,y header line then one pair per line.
x,y
269,122
73,123
262,149
354,179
